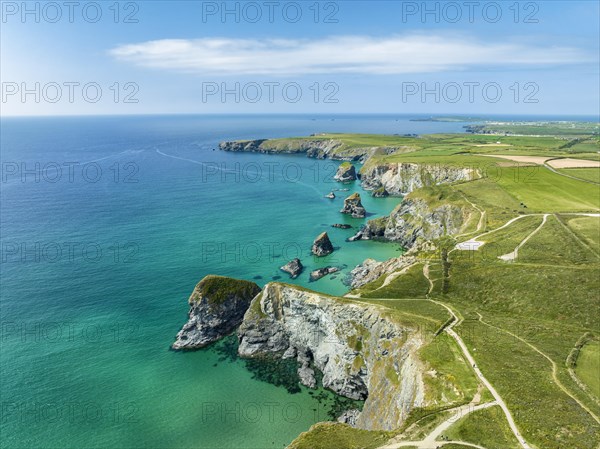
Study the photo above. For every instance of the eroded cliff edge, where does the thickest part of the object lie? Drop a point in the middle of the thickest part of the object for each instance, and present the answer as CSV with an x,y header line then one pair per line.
x,y
361,351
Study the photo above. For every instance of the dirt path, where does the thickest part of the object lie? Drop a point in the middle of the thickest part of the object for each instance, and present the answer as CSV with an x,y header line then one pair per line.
x,y
514,254
554,368
474,243
430,441
482,378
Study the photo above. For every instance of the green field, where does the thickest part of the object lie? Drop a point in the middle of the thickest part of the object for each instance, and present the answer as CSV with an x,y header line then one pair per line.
x,y
588,367
591,174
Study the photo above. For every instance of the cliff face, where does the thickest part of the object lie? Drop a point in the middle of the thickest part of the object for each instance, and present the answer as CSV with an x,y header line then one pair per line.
x,y
361,353
217,306
414,221
403,178
317,148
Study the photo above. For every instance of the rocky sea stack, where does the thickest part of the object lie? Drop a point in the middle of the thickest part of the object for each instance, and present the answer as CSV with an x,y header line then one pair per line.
x,y
354,207
322,245
345,172
294,267
217,307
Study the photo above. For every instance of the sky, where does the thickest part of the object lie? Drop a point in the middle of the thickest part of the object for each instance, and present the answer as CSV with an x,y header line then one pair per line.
x,y
402,57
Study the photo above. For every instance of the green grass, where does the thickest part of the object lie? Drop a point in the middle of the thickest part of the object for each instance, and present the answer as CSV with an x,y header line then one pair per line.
x,y
588,366
487,428
218,288
449,379
591,174
546,416
555,245
544,191
339,436
504,240
541,128
432,314
587,229
411,284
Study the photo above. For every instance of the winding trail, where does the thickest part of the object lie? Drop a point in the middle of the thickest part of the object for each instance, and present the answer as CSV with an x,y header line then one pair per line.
x,y
490,387
515,253
430,441
552,362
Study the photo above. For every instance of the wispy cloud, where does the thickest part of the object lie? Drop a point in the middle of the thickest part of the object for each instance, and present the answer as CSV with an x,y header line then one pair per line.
x,y
340,54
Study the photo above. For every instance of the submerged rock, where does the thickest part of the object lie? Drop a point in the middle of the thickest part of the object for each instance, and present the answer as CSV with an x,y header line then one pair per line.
x,y
330,195
345,172
341,226
217,307
319,273
322,245
294,267
354,207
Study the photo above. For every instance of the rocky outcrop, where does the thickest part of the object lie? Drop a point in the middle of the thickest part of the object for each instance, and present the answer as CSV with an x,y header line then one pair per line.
x,y
317,274
330,195
354,207
380,193
345,172
217,306
341,226
414,221
403,178
370,270
322,245
361,352
313,147
294,267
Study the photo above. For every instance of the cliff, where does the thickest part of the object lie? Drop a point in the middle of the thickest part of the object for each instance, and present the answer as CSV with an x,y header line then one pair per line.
x,y
345,172
362,353
402,178
217,306
313,147
353,206
416,220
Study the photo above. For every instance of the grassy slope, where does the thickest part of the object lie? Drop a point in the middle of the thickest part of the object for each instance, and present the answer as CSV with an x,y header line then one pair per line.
x,y
588,366
591,174
487,428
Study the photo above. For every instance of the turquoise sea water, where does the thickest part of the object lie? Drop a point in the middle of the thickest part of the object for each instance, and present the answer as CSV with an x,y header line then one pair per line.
x,y
103,241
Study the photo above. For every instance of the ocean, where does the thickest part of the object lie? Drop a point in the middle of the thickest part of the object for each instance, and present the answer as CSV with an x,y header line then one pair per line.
x,y
107,224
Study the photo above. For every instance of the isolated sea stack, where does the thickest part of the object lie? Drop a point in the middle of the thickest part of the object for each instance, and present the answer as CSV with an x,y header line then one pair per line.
x,y
354,207
322,245
217,307
345,172
294,267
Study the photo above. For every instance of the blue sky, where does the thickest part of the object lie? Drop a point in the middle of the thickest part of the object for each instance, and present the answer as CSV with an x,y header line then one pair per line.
x,y
301,57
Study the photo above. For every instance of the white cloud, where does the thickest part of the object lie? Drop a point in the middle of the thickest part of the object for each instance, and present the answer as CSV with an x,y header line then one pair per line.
x,y
339,54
